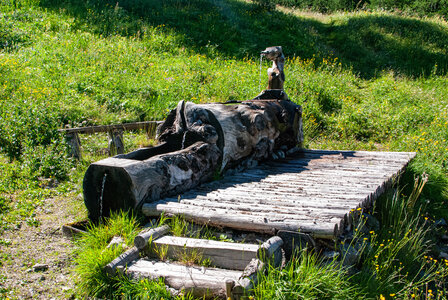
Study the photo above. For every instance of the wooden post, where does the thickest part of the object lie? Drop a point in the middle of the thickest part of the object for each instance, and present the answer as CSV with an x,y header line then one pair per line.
x,y
121,261
151,130
143,237
74,143
230,283
116,145
248,279
271,251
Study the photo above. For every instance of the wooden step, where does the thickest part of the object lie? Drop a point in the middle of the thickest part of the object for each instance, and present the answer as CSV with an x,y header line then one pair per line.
x,y
235,256
235,265
201,281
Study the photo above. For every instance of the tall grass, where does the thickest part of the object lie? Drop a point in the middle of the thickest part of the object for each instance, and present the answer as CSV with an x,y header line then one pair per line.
x,y
418,7
369,80
306,277
396,260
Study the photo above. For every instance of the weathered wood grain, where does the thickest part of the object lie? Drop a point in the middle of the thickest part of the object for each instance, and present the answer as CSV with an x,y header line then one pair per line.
x,y
201,281
122,261
141,240
248,279
225,255
147,125
315,192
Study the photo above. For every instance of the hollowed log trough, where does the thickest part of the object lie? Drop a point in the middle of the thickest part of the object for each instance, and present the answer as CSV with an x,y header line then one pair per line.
x,y
197,143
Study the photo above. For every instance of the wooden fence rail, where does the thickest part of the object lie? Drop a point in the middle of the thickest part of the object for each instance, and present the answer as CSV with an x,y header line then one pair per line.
x,y
116,145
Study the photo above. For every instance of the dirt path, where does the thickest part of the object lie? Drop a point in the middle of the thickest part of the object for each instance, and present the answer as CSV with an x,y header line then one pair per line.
x,y
44,245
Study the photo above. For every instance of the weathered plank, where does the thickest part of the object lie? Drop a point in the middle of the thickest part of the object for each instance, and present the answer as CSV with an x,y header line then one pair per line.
x,y
147,125
225,255
313,192
201,281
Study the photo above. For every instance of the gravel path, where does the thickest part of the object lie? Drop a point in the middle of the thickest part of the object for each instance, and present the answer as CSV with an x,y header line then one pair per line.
x,y
38,262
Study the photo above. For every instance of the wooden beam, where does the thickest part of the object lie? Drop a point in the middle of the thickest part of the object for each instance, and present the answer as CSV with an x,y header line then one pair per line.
x,y
225,255
200,281
148,125
116,144
74,144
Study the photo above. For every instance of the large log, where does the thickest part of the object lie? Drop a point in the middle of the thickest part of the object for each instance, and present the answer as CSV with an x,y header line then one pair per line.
x,y
198,141
121,184
209,139
250,130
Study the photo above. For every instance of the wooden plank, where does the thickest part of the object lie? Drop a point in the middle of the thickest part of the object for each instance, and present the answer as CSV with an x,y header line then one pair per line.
x,y
106,128
201,281
287,198
294,205
352,153
241,221
266,217
225,255
313,192
273,207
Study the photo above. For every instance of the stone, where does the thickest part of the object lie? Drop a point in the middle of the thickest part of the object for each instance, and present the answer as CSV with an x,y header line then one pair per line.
x,y
371,222
440,223
350,256
330,255
40,267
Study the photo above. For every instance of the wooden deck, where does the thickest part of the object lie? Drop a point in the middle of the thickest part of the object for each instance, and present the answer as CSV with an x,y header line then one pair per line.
x,y
312,192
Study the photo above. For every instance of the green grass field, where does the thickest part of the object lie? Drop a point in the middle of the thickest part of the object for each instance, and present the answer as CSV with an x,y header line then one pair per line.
x,y
370,80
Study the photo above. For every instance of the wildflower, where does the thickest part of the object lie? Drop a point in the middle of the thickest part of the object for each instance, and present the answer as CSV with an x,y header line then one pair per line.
x,y
382,297
392,295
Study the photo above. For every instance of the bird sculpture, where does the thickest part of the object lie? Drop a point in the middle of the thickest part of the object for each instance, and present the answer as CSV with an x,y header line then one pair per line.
x,y
275,73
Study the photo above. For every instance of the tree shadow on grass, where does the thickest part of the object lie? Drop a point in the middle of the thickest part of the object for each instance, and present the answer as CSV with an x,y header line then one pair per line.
x,y
376,43
369,44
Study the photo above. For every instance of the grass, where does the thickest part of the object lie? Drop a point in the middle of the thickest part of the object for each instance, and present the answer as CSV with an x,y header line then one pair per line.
x,y
306,278
396,259
367,80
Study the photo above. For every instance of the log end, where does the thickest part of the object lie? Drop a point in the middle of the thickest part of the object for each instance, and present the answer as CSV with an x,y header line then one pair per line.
x,y
106,188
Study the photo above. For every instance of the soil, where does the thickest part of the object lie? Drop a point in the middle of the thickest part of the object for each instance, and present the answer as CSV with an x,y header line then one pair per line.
x,y
46,249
